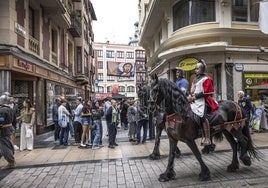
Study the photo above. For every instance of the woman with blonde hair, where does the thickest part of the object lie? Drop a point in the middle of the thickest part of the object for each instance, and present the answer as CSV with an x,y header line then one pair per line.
x,y
27,120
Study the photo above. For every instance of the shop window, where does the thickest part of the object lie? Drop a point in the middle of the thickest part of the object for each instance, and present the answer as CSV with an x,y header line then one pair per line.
x,y
256,85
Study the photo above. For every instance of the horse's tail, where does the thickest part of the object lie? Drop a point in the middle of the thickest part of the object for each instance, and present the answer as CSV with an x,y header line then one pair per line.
x,y
252,151
218,137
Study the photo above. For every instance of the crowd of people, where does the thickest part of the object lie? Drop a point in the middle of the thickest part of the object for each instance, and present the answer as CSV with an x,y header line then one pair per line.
x,y
87,118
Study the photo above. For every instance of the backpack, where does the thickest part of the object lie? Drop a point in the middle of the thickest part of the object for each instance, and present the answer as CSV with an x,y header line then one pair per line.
x,y
62,120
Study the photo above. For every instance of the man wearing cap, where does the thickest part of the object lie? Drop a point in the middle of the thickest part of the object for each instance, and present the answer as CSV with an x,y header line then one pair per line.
x,y
181,82
201,99
6,130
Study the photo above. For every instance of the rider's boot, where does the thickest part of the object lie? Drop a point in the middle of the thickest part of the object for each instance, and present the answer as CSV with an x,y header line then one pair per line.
x,y
206,140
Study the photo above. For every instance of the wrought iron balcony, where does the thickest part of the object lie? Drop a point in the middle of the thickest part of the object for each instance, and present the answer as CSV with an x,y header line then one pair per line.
x,y
76,27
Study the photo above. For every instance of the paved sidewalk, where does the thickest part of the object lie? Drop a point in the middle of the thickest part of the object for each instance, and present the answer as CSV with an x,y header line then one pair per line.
x,y
47,152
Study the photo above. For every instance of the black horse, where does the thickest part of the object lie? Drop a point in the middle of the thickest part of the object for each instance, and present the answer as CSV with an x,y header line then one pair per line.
x,y
159,119
181,125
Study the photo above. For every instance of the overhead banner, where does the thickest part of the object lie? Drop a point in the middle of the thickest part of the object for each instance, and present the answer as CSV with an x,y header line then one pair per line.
x,y
120,69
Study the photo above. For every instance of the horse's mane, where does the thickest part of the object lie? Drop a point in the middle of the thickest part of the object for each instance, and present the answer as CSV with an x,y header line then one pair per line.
x,y
175,97
144,90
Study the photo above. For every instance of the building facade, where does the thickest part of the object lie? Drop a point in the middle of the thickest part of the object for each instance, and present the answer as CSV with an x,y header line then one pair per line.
x,y
140,57
110,59
46,52
225,33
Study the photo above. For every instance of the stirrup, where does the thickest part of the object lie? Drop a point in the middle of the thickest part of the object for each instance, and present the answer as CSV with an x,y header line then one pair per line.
x,y
205,142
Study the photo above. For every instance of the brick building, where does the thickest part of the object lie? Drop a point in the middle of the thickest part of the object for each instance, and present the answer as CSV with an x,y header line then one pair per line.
x,y
46,52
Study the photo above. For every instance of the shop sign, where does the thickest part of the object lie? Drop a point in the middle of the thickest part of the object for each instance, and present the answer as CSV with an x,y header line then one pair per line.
x,y
23,65
239,67
188,64
256,75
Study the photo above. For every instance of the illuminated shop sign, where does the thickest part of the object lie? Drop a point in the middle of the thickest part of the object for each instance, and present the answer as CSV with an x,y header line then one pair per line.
x,y
188,64
256,75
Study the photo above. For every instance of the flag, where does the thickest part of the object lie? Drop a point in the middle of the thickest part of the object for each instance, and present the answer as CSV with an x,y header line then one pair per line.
x,y
263,17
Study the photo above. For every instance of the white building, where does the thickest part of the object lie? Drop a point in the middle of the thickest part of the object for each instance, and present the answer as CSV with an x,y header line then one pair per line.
x,y
109,57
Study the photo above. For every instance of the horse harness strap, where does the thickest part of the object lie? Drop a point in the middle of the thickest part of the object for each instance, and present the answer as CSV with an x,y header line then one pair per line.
x,y
171,120
6,125
237,123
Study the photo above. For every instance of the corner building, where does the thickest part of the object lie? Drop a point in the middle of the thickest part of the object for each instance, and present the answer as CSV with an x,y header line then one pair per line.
x,y
46,52
225,33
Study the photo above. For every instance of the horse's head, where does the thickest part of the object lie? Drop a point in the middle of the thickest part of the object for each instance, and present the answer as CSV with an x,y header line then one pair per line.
x,y
156,94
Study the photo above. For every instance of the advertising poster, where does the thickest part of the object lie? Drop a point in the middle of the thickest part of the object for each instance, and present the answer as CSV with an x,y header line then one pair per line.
x,y
120,69
257,117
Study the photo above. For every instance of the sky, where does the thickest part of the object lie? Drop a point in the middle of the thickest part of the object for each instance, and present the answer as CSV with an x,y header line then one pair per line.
x,y
115,20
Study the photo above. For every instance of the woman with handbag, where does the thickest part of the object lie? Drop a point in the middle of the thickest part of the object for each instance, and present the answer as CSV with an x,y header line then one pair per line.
x,y
27,120
63,121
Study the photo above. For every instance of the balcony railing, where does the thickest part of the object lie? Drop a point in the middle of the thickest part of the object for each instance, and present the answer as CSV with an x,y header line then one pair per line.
x,y
34,45
75,28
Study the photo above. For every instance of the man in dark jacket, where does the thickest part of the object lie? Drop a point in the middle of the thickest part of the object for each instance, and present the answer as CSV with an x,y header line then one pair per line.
x,y
123,115
6,130
112,120
142,122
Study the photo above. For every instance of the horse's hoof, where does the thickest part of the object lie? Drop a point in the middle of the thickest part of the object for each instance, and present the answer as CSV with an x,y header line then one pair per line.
x,y
212,148
178,153
154,157
204,177
167,176
163,178
208,149
232,168
246,160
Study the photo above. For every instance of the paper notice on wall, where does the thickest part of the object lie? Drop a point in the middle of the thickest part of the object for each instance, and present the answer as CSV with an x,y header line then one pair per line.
x,y
263,17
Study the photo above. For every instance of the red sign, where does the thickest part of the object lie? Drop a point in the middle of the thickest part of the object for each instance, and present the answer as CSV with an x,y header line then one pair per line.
x,y
102,96
23,64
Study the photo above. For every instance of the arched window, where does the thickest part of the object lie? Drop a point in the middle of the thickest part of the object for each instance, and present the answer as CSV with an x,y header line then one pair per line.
x,y
130,89
121,89
188,12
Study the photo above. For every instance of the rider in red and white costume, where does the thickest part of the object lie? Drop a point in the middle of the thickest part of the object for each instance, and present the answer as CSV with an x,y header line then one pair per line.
x,y
201,98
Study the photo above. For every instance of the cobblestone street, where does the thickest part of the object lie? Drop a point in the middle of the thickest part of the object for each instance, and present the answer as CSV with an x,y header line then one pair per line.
x,y
50,165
